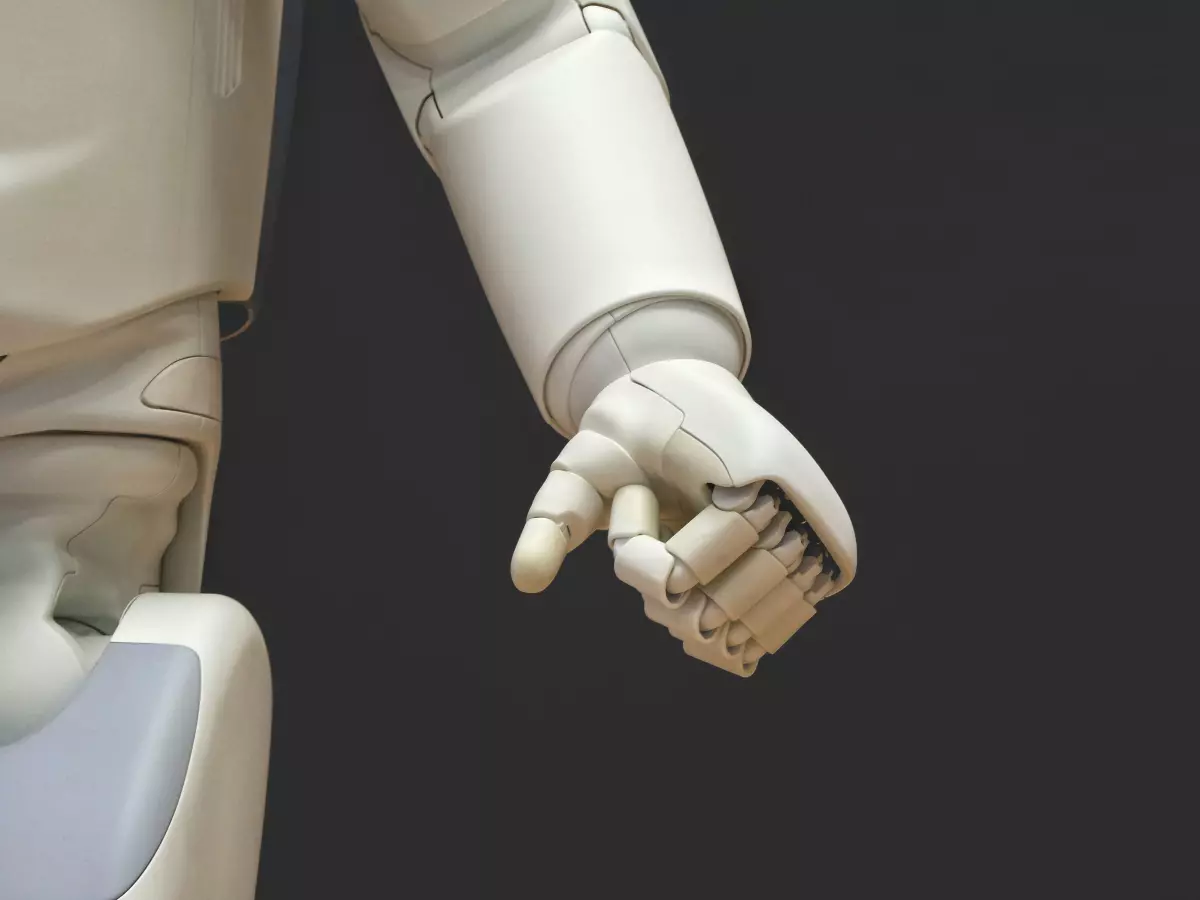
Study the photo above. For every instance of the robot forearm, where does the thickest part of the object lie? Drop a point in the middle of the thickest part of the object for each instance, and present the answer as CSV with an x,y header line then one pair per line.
x,y
582,212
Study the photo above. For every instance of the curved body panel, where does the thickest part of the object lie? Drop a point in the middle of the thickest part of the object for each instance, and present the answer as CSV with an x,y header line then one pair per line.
x,y
134,142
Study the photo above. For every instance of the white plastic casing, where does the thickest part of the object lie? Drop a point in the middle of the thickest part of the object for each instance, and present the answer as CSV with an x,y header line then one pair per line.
x,y
437,33
134,141
576,197
210,849
84,522
155,376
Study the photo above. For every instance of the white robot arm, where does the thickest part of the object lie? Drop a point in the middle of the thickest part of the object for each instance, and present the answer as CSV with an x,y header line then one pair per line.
x,y
549,125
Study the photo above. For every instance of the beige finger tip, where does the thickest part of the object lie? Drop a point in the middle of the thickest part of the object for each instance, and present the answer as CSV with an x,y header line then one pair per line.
x,y
538,556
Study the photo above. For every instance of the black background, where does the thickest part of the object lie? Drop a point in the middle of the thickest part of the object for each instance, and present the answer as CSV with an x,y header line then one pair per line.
x,y
966,239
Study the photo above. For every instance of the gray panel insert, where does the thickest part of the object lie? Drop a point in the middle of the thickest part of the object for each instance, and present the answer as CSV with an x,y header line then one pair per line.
x,y
85,801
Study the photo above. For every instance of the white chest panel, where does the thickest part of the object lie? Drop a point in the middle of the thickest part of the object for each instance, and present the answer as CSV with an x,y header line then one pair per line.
x,y
134,140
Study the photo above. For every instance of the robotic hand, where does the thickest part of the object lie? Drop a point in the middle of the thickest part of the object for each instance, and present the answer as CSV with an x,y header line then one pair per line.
x,y
744,573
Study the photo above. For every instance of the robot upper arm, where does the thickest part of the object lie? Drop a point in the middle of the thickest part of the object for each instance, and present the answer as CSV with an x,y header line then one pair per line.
x,y
436,54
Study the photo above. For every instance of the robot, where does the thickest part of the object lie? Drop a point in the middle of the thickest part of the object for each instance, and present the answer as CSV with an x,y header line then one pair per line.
x,y
134,159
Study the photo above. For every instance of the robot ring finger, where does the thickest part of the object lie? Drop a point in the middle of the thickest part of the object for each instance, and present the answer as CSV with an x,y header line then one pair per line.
x,y
132,186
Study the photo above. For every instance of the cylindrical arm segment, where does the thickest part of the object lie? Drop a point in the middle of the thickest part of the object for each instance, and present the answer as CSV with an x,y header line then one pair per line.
x,y
576,197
